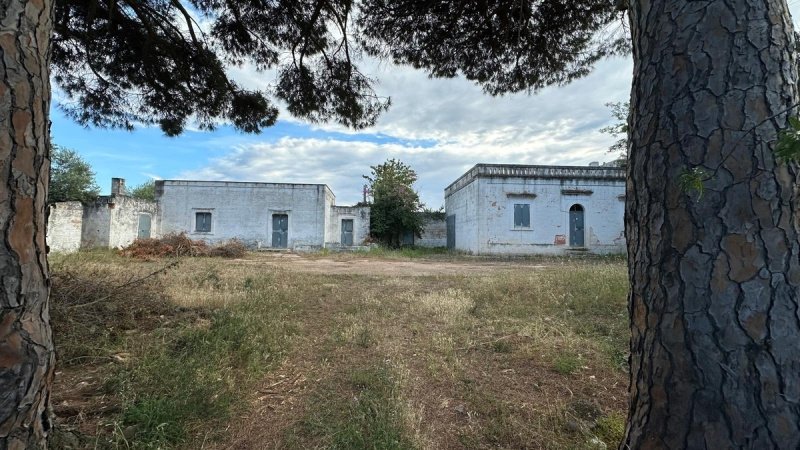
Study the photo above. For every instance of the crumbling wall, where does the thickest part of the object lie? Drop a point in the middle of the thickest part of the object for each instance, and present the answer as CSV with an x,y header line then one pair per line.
x,y
96,223
125,221
113,221
64,225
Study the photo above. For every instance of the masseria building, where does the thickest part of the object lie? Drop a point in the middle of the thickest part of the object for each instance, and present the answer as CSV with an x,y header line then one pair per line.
x,y
520,209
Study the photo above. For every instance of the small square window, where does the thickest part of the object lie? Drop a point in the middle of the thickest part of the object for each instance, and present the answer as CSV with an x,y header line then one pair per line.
x,y
522,215
202,222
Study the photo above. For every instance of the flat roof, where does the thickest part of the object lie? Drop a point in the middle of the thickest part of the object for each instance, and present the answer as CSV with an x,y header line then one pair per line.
x,y
535,171
241,184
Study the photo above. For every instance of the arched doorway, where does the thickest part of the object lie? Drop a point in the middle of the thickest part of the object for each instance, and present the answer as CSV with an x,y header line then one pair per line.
x,y
576,233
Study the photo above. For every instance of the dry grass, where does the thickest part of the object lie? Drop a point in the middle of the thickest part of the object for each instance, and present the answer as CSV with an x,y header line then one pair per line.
x,y
511,357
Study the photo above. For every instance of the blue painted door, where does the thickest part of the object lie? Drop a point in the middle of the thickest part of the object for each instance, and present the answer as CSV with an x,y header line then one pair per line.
x,y
280,230
576,232
347,232
144,226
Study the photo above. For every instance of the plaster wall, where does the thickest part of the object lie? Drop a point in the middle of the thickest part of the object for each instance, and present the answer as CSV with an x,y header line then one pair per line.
x,y
360,216
484,198
463,204
125,220
549,204
96,230
64,225
245,210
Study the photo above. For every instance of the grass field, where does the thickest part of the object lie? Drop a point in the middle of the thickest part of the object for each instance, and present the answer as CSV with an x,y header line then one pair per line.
x,y
382,350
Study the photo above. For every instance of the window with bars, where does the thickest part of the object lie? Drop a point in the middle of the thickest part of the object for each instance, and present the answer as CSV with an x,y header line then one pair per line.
x,y
522,215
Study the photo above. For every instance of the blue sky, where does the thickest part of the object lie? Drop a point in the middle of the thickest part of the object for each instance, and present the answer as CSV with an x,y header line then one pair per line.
x,y
439,127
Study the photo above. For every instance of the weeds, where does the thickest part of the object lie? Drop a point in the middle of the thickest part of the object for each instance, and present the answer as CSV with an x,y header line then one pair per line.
x,y
197,374
366,414
166,369
566,364
501,359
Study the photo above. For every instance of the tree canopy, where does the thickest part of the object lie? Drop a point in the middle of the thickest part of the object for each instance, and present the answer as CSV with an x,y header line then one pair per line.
x,y
145,191
71,177
395,204
619,129
125,62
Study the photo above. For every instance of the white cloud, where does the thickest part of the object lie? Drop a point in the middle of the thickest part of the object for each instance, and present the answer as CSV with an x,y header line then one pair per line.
x,y
555,126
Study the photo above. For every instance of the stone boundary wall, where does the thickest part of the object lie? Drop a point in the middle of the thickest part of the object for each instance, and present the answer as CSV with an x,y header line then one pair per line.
x,y
64,225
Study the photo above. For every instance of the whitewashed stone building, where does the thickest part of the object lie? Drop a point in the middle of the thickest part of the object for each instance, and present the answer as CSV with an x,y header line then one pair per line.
x,y
110,221
517,210
263,215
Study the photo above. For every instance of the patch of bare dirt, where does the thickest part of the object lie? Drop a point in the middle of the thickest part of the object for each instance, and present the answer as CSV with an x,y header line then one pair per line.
x,y
383,267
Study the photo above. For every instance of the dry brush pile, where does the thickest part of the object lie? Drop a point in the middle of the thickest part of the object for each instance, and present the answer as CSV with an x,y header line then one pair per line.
x,y
178,244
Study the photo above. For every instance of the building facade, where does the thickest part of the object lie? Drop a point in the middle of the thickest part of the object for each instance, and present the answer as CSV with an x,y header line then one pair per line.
x,y
519,210
263,215
109,221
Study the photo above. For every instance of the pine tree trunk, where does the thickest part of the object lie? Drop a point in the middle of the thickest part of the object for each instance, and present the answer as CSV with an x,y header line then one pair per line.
x,y
26,344
715,275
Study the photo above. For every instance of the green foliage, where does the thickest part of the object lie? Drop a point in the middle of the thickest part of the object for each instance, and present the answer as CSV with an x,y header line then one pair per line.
x,y
145,191
620,111
692,180
504,45
123,62
434,214
788,147
71,177
395,204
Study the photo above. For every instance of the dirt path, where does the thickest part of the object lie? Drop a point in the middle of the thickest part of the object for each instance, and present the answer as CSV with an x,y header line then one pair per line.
x,y
347,264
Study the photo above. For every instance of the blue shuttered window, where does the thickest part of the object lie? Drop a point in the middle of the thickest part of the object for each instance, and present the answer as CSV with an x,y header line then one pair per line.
x,y
202,222
522,216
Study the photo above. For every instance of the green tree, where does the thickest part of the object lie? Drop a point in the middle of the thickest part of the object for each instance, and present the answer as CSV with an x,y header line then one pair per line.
x,y
620,111
145,191
71,177
395,204
714,280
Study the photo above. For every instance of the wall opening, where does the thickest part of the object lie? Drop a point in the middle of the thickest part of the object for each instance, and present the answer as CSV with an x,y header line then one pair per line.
x,y
451,231
144,226
280,230
347,232
576,226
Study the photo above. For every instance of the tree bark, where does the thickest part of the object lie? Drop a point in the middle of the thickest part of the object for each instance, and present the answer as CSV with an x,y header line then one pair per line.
x,y
715,274
26,344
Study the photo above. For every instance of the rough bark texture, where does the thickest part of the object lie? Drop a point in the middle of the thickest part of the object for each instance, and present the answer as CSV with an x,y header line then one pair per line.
x,y
26,344
715,341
